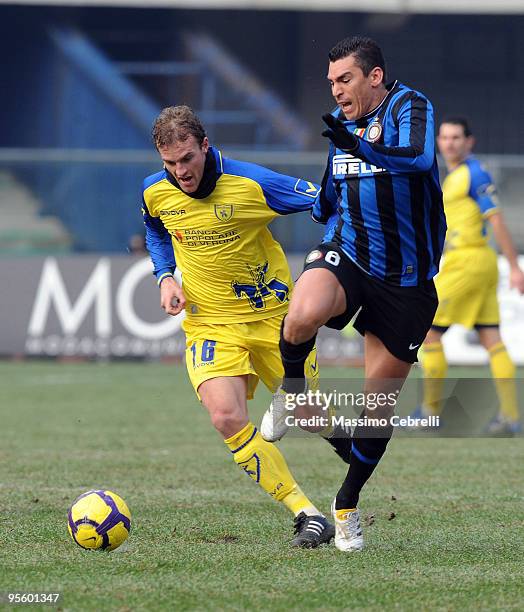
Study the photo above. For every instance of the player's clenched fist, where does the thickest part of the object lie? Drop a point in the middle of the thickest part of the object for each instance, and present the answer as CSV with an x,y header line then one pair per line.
x,y
172,298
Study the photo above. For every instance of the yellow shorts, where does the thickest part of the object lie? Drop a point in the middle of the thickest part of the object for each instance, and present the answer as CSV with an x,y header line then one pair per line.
x,y
467,288
234,349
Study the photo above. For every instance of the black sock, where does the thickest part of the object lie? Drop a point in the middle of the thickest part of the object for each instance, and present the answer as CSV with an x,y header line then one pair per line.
x,y
293,358
340,440
366,452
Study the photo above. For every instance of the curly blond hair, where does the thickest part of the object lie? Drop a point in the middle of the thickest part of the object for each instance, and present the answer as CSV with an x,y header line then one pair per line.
x,y
176,124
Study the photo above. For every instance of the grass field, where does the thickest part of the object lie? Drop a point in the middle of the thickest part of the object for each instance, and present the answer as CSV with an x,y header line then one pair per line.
x,y
205,537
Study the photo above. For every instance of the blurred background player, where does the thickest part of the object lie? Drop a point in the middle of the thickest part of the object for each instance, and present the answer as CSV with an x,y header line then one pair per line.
x,y
137,245
378,261
208,215
468,278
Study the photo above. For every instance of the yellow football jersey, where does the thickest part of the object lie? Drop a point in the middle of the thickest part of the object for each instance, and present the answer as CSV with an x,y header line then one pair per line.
x,y
469,199
233,270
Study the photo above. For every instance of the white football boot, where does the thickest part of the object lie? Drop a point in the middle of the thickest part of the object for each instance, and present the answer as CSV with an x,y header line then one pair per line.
x,y
273,426
348,532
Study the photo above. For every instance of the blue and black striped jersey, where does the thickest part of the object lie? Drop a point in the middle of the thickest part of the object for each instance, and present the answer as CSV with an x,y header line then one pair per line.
x,y
387,192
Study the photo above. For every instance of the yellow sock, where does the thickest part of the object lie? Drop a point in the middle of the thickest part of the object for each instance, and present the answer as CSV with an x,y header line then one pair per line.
x,y
265,464
435,367
343,514
503,372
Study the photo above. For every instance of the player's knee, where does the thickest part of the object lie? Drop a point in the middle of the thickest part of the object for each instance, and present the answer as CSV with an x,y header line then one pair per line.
x,y
302,323
226,421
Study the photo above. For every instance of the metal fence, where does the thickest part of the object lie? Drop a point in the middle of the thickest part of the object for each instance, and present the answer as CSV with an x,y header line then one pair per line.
x,y
96,194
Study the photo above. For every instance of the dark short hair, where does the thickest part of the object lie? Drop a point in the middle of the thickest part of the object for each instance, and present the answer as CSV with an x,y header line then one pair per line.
x,y
459,121
368,54
176,124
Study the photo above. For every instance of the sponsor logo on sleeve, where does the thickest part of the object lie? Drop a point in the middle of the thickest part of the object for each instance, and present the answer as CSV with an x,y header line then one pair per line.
x,y
306,188
488,190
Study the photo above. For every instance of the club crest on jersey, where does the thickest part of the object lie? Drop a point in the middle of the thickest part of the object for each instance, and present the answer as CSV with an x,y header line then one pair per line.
x,y
374,132
224,212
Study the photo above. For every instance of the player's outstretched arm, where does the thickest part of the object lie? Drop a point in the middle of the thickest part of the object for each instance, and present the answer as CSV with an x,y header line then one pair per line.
x,y
416,147
281,193
325,205
505,242
172,298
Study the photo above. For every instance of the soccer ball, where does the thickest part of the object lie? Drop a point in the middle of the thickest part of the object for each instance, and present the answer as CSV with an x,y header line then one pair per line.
x,y
99,519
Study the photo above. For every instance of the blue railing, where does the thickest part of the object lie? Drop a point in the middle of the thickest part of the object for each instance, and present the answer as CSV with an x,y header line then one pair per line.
x,y
94,104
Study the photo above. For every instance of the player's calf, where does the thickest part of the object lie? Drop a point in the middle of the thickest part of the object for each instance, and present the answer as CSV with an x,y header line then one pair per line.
x,y
339,437
293,359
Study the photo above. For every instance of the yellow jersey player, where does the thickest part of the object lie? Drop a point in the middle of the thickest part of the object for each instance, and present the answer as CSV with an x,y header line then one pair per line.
x,y
208,215
467,281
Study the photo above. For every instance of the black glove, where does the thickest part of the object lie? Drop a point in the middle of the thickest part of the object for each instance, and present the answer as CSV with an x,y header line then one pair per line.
x,y
338,134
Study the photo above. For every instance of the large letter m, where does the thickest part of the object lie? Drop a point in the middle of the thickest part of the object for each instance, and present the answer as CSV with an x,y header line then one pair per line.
x,y
52,291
